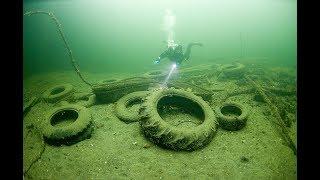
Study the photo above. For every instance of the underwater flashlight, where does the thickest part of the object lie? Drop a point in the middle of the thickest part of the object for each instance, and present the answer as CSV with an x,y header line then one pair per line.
x,y
173,67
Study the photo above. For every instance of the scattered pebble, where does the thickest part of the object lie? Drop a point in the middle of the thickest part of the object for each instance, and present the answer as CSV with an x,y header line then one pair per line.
x,y
135,143
100,125
146,145
244,159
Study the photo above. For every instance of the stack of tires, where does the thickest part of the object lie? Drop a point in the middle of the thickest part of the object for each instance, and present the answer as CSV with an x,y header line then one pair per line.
x,y
69,121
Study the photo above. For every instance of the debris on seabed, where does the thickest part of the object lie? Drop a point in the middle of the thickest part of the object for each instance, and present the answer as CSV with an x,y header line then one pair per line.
x,y
147,145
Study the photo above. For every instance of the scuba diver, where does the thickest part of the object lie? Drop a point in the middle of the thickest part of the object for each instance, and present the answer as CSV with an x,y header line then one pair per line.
x,y
174,52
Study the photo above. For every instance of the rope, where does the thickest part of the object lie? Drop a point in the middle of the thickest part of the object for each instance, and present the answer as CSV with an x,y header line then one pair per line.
x,y
59,27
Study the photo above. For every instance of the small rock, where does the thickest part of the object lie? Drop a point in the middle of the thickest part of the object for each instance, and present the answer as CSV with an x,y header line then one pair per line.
x,y
147,145
100,125
244,159
135,143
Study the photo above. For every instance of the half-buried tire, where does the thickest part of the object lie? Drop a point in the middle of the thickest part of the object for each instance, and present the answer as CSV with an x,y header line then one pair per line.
x,y
107,81
86,100
234,71
155,74
232,116
58,92
164,133
67,124
124,107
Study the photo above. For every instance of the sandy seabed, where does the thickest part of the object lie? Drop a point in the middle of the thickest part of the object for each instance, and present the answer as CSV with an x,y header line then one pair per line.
x,y
120,151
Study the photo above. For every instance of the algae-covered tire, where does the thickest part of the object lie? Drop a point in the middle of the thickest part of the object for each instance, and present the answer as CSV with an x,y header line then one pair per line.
x,y
121,106
67,124
234,70
155,74
232,116
87,101
169,136
58,92
107,81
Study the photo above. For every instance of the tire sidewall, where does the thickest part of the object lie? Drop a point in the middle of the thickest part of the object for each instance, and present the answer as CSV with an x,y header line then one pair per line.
x,y
191,139
231,123
81,123
68,90
121,110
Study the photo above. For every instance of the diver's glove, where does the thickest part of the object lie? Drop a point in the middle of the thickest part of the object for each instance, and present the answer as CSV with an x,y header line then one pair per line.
x,y
157,61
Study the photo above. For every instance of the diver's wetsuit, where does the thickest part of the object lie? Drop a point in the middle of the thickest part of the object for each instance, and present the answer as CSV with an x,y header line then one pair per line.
x,y
176,55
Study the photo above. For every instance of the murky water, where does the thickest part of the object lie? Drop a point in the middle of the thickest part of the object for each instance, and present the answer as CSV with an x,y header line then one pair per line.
x,y
96,52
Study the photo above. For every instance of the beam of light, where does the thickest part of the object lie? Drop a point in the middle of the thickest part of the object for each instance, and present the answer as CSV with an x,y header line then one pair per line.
x,y
173,67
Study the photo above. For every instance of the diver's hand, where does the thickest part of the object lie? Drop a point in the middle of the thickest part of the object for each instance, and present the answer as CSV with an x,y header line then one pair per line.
x,y
157,61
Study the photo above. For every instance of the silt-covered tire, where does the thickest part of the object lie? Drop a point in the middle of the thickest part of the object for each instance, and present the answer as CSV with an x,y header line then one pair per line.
x,y
155,74
232,116
121,106
173,137
234,71
87,101
57,133
58,92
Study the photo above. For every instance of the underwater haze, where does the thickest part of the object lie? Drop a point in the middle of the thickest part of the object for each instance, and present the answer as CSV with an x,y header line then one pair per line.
x,y
127,35
160,89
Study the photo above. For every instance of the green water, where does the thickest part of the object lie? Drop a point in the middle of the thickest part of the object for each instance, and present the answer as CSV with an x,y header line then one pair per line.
x,y
126,35
115,43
